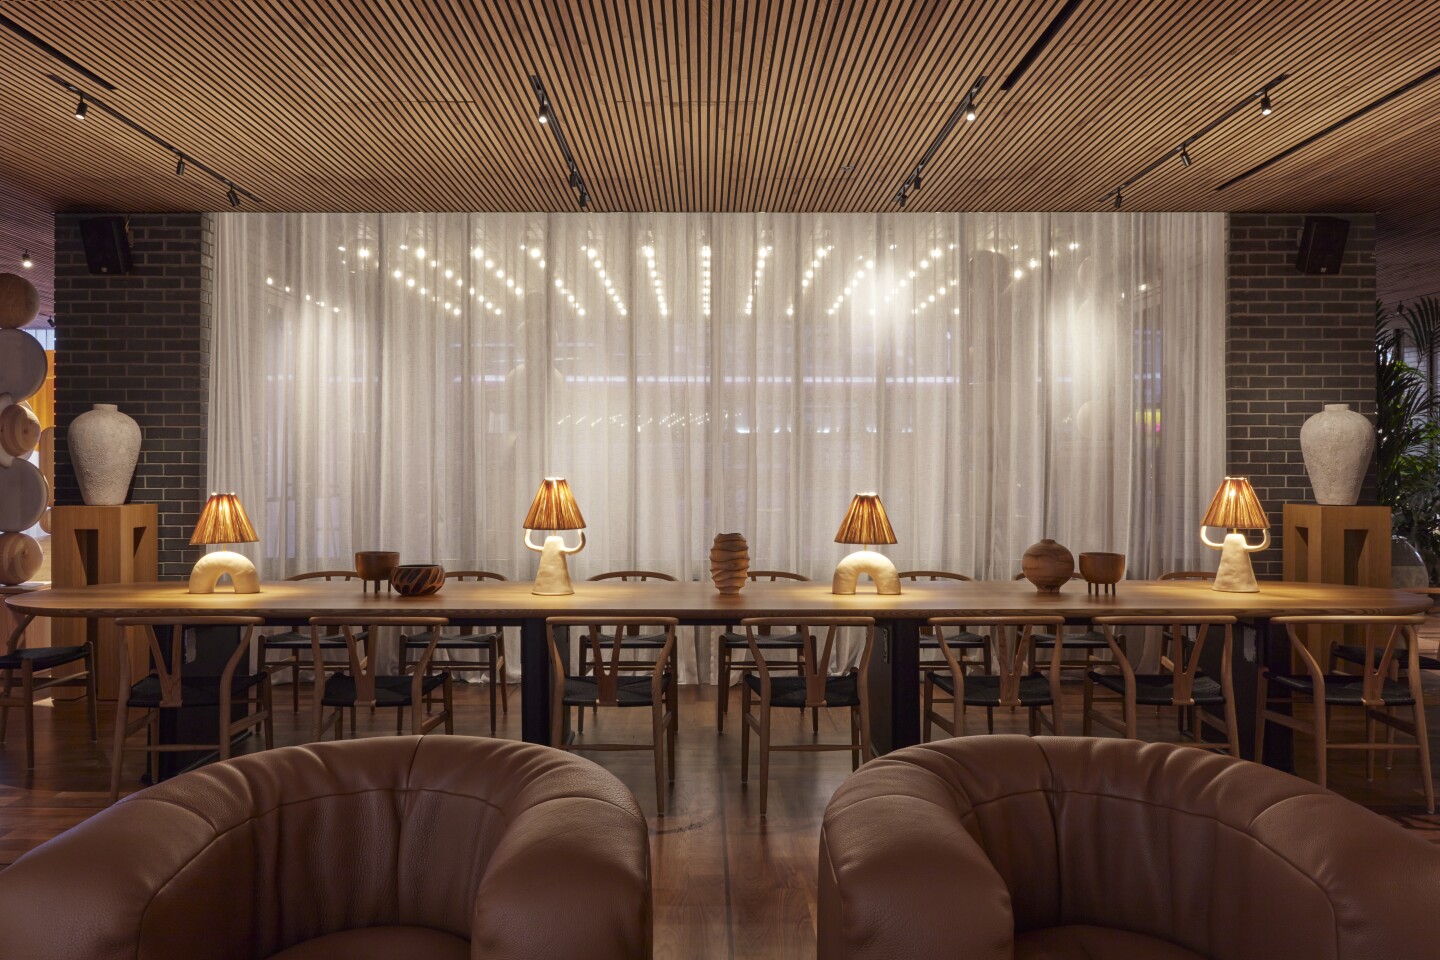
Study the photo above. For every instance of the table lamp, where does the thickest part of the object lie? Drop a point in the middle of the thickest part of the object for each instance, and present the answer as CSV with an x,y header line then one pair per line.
x,y
554,509
865,523
1236,508
223,521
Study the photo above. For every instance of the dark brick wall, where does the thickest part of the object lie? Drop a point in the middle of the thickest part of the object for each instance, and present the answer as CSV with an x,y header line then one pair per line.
x,y
141,341
1294,342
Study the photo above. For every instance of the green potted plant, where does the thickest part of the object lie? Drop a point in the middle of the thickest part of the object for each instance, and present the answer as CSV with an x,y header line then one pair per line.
x,y
1407,449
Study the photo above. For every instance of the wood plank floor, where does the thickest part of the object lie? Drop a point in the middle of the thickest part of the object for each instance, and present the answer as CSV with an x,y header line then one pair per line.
x,y
727,884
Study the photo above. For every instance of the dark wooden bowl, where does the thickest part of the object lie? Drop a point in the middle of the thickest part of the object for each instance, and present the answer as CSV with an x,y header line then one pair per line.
x,y
1102,568
375,564
417,579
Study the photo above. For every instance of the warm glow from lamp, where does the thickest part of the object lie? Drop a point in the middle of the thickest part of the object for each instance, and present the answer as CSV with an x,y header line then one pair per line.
x,y
865,523
223,520
1236,508
554,508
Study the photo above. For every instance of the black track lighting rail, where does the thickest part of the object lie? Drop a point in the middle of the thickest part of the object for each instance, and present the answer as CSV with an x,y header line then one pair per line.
x,y
49,50
548,117
1374,105
1039,45
1182,150
233,190
966,109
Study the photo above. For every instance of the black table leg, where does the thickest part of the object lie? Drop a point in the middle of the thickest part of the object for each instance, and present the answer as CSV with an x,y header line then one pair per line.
x,y
895,685
535,678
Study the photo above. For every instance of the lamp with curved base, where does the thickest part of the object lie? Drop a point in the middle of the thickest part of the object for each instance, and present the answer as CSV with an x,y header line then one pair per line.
x,y
880,567
213,566
553,577
1235,575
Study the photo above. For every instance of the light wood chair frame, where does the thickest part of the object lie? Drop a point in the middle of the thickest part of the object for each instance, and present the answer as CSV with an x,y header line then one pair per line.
x,y
607,666
169,671
491,641
1374,674
1084,662
726,664
816,671
32,682
298,658
1011,645
361,668
985,663
1179,657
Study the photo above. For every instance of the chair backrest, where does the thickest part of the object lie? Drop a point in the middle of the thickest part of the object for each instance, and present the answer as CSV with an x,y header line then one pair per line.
x,y
1187,575
169,664
1010,640
473,575
632,575
1183,641
606,662
1374,669
362,665
773,575
934,575
815,661
326,575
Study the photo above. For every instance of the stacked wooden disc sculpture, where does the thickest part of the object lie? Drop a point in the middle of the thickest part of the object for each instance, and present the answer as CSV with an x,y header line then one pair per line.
x,y
729,562
24,494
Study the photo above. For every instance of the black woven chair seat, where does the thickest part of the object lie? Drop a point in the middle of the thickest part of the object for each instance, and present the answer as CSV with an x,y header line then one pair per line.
x,y
765,641
964,640
389,691
41,658
451,641
629,691
641,641
984,690
840,691
300,640
1345,689
1158,689
194,691
1089,640
1355,653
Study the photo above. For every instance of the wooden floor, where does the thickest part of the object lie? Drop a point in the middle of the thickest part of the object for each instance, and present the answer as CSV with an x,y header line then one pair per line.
x,y
727,884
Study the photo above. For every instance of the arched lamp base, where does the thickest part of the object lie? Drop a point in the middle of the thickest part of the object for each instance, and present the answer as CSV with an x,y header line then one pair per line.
x,y
880,568
213,566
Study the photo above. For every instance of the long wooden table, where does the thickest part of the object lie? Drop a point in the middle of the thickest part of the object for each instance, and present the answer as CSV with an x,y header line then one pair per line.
x,y
894,671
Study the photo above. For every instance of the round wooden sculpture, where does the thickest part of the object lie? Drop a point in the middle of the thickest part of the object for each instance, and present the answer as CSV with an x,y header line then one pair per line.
x,y
19,430
19,300
1048,565
22,364
729,562
20,557
375,566
417,579
24,495
1102,570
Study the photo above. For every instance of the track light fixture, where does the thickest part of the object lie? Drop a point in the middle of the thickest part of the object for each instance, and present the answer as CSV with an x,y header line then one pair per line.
x,y
25,260
1119,198
183,160
549,118
970,114
967,110
1183,152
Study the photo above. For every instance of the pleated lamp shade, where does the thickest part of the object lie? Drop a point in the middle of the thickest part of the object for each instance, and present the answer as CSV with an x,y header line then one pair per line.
x,y
865,522
223,521
554,507
1236,507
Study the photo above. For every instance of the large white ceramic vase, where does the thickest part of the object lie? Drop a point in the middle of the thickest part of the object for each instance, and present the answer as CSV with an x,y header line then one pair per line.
x,y
104,447
1337,443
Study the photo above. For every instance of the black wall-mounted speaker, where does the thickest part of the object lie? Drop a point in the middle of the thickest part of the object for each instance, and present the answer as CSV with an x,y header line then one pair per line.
x,y
1322,245
107,245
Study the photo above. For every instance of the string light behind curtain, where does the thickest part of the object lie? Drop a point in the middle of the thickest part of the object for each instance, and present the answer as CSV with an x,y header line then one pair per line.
x,y
403,381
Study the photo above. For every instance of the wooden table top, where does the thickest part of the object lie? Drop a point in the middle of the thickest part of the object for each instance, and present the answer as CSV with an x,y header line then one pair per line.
x,y
512,601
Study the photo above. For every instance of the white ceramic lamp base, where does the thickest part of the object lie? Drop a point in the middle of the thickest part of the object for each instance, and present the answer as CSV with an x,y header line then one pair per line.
x,y
880,567
553,577
213,566
1235,574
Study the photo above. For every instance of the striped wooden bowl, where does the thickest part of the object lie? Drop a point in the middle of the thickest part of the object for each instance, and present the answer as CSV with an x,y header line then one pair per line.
x,y
417,579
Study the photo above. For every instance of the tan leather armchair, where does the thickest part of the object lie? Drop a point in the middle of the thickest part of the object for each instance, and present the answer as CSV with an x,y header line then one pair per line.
x,y
403,847
987,848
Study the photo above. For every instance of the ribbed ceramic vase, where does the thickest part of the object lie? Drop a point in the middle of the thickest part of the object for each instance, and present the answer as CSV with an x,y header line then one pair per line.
x,y
104,448
1337,443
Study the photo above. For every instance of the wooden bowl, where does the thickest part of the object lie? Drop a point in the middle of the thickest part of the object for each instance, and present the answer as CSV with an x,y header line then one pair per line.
x,y
1102,569
417,579
375,564
1048,565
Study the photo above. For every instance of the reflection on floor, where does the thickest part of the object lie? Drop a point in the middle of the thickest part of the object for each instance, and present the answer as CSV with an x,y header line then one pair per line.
x,y
727,884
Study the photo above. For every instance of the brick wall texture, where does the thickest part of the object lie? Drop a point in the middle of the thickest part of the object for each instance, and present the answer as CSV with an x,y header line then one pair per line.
x,y
1294,342
141,341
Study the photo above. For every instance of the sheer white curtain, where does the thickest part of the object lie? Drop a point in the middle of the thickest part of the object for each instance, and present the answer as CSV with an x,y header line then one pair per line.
x,y
403,381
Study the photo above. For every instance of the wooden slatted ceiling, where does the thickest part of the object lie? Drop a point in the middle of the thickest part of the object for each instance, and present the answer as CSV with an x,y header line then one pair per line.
x,y
712,105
